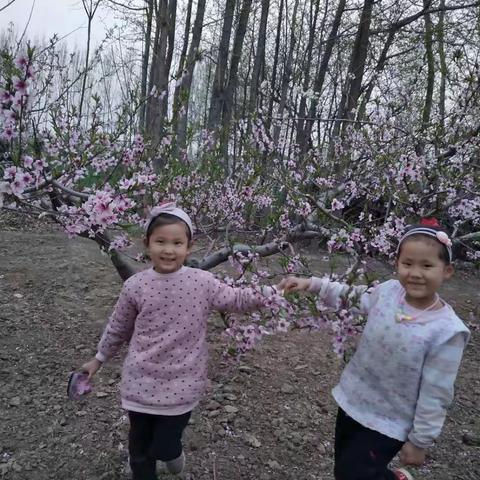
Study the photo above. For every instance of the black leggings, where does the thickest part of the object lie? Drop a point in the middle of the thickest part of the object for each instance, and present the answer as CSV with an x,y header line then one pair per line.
x,y
154,437
361,453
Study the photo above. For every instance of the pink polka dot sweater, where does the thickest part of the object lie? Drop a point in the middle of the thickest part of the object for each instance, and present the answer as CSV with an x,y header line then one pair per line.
x,y
164,319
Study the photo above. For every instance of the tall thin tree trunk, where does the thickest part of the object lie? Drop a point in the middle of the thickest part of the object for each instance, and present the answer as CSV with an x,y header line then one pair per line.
x,y
356,69
90,10
287,73
146,62
443,67
301,138
183,96
275,64
427,108
235,61
217,97
157,105
259,56
381,63
322,70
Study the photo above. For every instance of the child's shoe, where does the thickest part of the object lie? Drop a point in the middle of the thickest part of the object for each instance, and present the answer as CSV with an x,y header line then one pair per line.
x,y
176,465
402,474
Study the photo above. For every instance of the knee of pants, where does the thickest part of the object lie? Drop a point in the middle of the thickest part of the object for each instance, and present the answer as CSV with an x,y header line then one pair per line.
x,y
166,450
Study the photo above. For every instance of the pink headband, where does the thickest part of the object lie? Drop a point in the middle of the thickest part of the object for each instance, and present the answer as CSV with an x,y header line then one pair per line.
x,y
171,209
442,237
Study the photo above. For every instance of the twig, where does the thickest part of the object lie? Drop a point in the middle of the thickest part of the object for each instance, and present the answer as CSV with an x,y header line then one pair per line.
x,y
6,6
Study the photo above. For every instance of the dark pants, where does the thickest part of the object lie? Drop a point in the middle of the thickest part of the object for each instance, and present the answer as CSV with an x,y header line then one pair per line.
x,y
361,453
151,438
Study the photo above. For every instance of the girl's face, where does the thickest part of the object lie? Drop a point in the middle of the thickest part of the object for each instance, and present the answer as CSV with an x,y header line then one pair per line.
x,y
421,271
168,247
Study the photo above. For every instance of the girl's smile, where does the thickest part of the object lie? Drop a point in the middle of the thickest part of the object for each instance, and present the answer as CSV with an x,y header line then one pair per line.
x,y
168,247
421,271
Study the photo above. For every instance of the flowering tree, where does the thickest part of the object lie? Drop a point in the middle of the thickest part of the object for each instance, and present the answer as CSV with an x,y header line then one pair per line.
x,y
97,177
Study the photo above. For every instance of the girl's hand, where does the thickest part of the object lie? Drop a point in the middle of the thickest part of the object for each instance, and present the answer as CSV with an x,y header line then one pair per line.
x,y
294,284
412,455
91,367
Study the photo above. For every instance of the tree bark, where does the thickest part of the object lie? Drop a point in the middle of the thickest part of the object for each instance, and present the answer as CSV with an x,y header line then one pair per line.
x,y
275,64
427,108
287,73
443,68
217,97
234,62
322,70
381,63
301,139
356,69
182,97
157,105
145,63
259,57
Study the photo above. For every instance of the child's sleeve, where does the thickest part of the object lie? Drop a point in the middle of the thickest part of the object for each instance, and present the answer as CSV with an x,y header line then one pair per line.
x,y
225,298
120,325
436,390
331,293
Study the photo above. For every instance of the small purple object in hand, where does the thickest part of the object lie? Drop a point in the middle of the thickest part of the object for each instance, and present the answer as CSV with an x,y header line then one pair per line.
x,y
78,385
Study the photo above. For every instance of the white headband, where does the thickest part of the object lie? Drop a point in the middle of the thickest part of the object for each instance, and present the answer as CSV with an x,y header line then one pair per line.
x,y
442,237
171,209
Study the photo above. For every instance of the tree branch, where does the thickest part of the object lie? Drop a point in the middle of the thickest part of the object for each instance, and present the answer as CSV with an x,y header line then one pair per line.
x,y
6,6
264,250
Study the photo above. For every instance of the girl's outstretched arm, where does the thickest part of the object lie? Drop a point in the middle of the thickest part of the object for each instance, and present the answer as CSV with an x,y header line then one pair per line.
x,y
294,284
328,291
223,297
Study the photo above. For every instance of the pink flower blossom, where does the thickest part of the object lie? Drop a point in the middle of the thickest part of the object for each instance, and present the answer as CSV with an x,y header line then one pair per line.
x,y
21,61
337,205
21,86
9,173
27,161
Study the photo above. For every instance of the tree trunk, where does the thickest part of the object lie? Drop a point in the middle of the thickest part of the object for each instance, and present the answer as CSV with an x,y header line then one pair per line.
x,y
322,70
259,56
183,96
157,105
90,11
443,68
427,108
217,98
356,69
145,63
382,61
287,73
301,139
234,62
275,64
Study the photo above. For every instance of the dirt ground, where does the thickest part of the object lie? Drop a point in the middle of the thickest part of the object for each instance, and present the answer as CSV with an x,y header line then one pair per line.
x,y
270,417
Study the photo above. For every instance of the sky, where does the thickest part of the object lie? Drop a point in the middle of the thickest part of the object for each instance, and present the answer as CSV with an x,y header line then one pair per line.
x,y
64,17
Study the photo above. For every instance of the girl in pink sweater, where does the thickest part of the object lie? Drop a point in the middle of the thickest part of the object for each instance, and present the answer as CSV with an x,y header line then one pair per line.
x,y
162,313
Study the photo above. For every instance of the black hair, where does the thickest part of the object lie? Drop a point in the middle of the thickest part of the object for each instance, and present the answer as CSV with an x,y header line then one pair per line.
x,y
443,252
165,219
